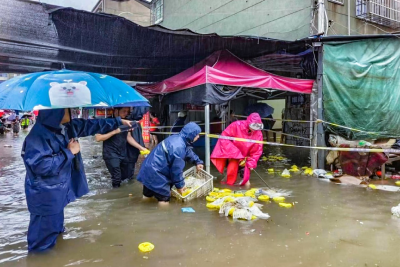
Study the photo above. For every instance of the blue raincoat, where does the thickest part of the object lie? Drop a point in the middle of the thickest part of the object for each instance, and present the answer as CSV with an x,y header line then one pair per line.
x,y
163,167
53,177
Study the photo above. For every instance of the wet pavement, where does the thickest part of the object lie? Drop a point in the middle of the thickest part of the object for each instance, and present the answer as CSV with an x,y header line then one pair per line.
x,y
331,225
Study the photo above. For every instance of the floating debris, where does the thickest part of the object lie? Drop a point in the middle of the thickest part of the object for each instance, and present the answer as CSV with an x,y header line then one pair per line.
x,y
285,173
286,205
146,247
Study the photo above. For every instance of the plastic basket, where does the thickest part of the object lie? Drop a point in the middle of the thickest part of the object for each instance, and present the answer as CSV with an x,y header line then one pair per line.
x,y
203,190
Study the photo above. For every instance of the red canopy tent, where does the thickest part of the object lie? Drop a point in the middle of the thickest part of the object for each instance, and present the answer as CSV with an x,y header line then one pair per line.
x,y
224,68
201,85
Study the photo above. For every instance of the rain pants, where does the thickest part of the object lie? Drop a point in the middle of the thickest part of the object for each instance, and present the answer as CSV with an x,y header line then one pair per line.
x,y
232,152
163,167
114,152
53,177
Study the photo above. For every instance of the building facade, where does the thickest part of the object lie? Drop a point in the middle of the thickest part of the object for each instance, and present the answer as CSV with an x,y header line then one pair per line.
x,y
284,19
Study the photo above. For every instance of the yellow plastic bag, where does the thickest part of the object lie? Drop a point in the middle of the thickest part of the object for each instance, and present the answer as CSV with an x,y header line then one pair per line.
x,y
372,186
144,152
146,247
210,199
231,210
286,205
213,194
263,198
227,190
308,171
279,199
211,206
285,173
187,192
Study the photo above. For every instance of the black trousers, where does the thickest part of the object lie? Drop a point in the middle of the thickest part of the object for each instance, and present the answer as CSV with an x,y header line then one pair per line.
x,y
129,165
120,169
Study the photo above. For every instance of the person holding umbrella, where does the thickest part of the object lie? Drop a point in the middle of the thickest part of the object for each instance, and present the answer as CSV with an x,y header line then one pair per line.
x,y
55,173
115,150
25,121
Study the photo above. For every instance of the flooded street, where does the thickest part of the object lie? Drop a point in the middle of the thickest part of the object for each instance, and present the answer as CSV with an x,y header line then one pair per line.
x,y
331,225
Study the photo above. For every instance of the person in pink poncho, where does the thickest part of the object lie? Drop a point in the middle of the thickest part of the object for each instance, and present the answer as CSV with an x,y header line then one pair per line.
x,y
235,154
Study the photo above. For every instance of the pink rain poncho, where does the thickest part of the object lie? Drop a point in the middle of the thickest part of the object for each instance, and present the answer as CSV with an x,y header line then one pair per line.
x,y
236,151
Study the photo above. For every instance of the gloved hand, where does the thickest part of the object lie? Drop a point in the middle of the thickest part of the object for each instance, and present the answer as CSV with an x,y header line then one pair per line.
x,y
144,152
242,163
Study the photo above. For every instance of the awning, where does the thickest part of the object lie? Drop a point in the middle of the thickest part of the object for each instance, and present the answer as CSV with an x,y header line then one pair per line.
x,y
224,68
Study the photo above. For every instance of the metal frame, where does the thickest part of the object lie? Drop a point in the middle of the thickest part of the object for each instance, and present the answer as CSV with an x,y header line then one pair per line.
x,y
386,13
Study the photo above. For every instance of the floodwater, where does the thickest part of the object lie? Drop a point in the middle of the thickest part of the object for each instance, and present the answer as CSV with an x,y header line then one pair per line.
x,y
331,225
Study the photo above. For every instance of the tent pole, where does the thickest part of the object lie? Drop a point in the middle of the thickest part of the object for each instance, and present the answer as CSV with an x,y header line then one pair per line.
x,y
320,128
207,128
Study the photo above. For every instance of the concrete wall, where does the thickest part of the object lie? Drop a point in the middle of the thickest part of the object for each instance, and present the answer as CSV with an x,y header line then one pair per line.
x,y
338,14
138,13
284,19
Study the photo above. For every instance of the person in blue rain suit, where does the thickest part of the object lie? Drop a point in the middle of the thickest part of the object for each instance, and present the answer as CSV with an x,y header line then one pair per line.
x,y
163,167
54,171
180,122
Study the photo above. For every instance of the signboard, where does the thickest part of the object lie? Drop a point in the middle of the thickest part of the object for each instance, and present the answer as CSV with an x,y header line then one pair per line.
x,y
193,107
145,123
101,112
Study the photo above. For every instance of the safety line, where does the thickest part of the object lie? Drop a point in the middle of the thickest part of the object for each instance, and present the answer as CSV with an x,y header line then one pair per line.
x,y
269,119
166,127
350,149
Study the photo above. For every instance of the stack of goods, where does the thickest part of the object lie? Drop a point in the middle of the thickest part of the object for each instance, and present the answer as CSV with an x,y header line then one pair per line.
x,y
241,204
191,184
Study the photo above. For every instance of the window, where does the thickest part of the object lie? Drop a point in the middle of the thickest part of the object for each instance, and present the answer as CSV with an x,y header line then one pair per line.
x,y
383,12
157,11
340,2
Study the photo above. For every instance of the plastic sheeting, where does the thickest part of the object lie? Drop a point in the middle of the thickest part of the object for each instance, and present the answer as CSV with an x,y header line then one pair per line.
x,y
361,87
37,38
201,95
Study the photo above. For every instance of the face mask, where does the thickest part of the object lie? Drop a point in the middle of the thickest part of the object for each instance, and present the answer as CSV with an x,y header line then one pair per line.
x,y
256,126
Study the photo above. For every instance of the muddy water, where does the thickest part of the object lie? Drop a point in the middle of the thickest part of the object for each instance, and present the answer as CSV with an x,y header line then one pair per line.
x,y
331,225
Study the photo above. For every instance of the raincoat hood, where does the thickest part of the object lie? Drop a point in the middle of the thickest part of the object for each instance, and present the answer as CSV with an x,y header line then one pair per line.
x,y
51,117
190,131
138,113
253,118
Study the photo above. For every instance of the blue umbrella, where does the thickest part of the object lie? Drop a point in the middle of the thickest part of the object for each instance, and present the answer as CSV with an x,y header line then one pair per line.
x,y
66,89
262,109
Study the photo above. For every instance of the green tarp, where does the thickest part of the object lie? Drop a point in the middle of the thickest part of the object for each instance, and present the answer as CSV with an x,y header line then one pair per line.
x,y
361,88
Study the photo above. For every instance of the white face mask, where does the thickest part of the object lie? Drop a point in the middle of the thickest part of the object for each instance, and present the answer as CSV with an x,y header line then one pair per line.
x,y
256,126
